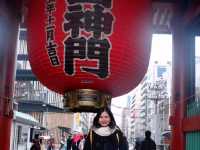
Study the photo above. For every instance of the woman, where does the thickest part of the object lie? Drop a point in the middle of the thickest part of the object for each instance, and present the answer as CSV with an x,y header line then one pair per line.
x,y
51,145
104,134
42,145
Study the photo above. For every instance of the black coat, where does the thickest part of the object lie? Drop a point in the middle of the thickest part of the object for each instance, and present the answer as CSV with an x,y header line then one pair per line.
x,y
75,145
69,143
115,141
148,144
35,146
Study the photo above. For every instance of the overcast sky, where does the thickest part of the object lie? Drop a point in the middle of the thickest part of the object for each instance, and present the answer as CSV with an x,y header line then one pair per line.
x,y
161,50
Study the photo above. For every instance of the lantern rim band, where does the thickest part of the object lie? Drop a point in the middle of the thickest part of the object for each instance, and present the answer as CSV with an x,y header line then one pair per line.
x,y
86,100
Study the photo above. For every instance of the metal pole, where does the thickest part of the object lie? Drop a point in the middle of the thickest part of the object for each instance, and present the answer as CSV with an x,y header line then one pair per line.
x,y
157,129
9,24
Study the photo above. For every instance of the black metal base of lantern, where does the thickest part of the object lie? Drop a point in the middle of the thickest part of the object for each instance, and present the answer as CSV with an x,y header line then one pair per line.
x,y
86,100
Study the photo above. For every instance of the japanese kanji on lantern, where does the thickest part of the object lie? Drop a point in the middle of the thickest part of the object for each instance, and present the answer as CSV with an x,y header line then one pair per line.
x,y
89,50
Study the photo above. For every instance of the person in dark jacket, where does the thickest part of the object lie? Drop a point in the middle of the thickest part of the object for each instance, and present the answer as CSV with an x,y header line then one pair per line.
x,y
104,134
69,143
148,143
138,142
36,145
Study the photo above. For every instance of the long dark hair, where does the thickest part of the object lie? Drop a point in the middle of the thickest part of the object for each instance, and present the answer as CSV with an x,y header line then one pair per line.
x,y
112,123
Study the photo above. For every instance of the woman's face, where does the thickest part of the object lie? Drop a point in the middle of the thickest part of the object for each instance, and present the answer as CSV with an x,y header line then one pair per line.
x,y
104,119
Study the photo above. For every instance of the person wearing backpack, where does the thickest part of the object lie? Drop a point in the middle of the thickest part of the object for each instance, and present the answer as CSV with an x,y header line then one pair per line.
x,y
105,134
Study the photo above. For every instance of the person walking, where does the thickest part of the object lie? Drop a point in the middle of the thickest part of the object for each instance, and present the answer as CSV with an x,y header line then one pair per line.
x,y
63,143
82,142
42,145
105,134
51,144
75,141
148,143
137,145
69,142
36,145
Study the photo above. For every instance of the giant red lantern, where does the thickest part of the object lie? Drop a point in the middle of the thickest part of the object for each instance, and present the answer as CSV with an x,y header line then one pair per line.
x,y
102,45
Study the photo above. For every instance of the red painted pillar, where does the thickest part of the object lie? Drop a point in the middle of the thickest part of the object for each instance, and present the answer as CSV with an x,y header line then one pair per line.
x,y
177,115
9,23
182,84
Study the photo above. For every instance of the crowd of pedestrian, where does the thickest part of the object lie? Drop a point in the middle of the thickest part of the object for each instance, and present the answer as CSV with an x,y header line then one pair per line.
x,y
103,135
75,142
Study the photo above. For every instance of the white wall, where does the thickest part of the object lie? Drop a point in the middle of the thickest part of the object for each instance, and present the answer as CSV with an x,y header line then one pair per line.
x,y
20,140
